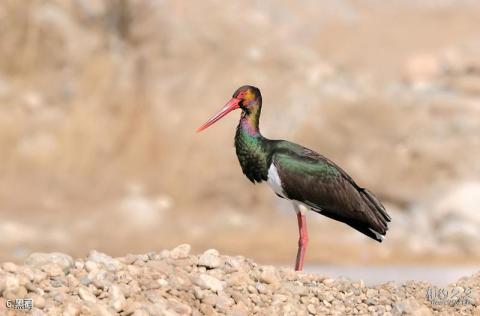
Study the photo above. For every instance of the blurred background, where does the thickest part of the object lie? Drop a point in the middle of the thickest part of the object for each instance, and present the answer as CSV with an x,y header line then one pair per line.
x,y
100,99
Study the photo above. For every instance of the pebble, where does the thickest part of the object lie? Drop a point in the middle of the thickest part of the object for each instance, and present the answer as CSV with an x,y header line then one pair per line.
x,y
371,293
180,252
38,300
311,309
103,259
9,282
52,269
178,283
71,310
38,259
118,300
9,267
268,275
208,282
86,295
210,259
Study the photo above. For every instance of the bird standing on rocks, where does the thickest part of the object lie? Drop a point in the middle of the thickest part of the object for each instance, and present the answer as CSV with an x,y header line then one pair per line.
x,y
308,179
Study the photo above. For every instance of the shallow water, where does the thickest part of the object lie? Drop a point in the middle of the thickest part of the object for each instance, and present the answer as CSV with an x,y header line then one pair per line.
x,y
373,275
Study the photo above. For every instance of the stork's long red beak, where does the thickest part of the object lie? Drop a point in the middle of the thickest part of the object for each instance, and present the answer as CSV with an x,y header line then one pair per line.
x,y
231,105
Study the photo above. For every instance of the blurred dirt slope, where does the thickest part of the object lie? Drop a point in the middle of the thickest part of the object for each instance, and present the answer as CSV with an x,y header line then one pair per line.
x,y
99,101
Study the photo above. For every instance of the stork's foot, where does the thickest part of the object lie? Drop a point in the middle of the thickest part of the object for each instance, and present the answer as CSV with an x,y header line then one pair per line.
x,y
302,241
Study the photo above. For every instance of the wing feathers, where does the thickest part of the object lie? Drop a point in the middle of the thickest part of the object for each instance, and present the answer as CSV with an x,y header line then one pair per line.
x,y
312,179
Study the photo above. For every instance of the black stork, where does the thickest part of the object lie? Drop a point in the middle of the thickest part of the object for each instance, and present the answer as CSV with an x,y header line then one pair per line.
x,y
308,179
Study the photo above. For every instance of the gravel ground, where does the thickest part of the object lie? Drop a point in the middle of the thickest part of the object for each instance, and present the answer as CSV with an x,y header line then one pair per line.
x,y
175,282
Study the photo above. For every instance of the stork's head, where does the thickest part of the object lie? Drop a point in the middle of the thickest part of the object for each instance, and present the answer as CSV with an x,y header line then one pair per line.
x,y
246,98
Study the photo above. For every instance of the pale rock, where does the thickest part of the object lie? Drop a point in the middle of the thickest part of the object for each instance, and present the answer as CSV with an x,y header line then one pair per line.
x,y
9,267
52,269
9,282
268,275
278,299
210,259
38,259
164,254
91,266
100,309
38,300
86,295
208,282
371,293
71,310
262,288
180,252
117,299
103,259
140,312
198,293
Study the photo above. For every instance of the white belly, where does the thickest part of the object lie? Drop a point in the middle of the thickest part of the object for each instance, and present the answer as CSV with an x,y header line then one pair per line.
x,y
274,180
275,183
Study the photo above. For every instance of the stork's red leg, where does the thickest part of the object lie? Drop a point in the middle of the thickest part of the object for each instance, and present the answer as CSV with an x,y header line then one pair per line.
x,y
302,241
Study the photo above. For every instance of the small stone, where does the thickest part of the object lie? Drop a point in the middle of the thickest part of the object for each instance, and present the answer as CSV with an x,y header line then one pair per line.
x,y
21,292
86,295
9,283
9,267
117,299
79,264
268,275
210,299
311,309
210,259
39,276
71,310
328,282
262,288
278,298
198,293
85,280
103,259
52,269
91,266
39,259
297,289
208,282
100,279
38,300
251,289
100,309
164,254
179,308
57,281
58,296
222,303
180,252
371,293
422,311
162,282
140,312
325,296
232,265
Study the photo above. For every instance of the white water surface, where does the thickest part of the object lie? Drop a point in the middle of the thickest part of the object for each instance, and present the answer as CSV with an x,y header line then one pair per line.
x,y
373,275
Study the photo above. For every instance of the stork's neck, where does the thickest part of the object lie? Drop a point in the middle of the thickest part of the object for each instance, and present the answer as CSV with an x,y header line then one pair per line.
x,y
251,146
250,119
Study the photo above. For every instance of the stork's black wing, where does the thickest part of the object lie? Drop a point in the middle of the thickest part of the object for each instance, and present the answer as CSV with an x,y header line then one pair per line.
x,y
312,179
